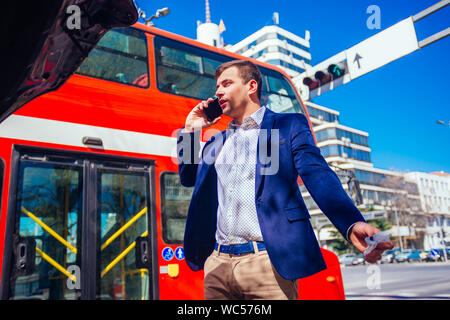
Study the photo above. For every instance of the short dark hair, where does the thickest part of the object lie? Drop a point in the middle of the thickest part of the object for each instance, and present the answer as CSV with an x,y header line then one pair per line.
x,y
247,70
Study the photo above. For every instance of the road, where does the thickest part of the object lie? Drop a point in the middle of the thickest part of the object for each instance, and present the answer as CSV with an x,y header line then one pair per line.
x,y
422,281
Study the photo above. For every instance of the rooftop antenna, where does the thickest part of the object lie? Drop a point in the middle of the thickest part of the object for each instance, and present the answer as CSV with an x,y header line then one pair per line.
x,y
208,12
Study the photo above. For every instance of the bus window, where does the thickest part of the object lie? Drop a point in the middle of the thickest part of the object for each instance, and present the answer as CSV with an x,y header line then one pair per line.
x,y
185,70
278,95
188,71
120,56
175,201
49,210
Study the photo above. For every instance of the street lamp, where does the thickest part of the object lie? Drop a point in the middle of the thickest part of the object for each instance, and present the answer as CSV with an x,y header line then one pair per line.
x,y
159,13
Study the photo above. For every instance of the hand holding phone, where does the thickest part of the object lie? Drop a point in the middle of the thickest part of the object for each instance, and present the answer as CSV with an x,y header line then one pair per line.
x,y
203,115
213,110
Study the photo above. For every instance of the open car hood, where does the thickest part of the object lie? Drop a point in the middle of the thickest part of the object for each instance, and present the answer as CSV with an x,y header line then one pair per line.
x,y
45,41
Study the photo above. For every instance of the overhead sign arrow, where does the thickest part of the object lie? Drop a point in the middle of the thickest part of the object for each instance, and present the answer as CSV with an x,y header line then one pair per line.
x,y
382,48
357,57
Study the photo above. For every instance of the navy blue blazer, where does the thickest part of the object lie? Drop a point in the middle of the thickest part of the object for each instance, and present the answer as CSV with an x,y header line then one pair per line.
x,y
284,219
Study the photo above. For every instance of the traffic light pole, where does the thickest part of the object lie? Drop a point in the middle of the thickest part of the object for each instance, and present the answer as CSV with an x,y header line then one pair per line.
x,y
386,46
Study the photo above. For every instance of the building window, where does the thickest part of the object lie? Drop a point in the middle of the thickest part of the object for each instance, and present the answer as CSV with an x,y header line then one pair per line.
x,y
333,133
372,178
120,56
346,152
292,42
322,115
285,64
269,36
325,134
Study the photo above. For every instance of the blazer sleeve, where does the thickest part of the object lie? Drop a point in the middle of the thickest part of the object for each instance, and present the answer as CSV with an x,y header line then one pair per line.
x,y
188,149
321,182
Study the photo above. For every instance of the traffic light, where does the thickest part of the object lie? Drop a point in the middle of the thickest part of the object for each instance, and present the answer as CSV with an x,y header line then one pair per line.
x,y
336,70
310,83
325,75
322,77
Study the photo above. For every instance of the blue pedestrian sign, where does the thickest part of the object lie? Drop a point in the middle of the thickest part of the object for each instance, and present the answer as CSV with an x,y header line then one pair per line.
x,y
167,253
179,253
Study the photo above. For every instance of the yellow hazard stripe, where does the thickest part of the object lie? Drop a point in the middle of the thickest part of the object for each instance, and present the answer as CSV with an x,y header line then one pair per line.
x,y
49,230
121,256
56,265
124,227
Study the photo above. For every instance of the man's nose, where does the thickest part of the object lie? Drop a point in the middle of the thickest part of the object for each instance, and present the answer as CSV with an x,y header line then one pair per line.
x,y
219,93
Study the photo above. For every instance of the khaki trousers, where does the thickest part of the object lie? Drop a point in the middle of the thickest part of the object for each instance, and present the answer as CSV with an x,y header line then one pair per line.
x,y
249,276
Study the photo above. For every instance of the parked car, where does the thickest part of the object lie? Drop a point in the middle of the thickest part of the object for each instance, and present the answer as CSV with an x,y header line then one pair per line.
x,y
389,256
407,255
360,259
437,255
348,259
423,255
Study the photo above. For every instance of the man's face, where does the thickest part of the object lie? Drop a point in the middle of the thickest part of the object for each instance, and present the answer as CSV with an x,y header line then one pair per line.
x,y
232,92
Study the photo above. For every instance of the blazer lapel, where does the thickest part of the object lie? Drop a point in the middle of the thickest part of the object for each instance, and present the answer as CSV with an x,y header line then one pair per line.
x,y
263,142
210,152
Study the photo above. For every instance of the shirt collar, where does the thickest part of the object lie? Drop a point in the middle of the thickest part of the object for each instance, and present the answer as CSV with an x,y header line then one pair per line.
x,y
256,117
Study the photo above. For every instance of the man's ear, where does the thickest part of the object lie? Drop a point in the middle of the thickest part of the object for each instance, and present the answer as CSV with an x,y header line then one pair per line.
x,y
252,87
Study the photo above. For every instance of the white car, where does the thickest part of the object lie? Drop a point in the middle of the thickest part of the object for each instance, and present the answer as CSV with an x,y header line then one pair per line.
x,y
348,259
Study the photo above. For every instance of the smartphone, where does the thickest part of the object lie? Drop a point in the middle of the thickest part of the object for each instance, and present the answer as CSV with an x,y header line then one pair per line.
x,y
213,111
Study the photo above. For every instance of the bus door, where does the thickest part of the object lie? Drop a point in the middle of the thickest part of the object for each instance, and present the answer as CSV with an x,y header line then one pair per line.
x,y
80,228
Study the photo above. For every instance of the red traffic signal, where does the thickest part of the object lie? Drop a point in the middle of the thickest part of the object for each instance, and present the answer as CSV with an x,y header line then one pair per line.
x,y
310,83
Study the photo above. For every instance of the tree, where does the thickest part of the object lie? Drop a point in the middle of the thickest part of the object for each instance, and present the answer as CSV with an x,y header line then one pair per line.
x,y
381,224
400,206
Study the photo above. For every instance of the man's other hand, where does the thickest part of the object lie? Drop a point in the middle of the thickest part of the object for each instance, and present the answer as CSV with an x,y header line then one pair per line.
x,y
360,232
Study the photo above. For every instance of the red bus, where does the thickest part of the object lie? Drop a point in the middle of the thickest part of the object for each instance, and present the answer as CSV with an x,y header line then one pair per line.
x,y
91,202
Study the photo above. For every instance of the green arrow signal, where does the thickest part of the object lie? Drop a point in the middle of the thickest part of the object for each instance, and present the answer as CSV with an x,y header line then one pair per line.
x,y
337,71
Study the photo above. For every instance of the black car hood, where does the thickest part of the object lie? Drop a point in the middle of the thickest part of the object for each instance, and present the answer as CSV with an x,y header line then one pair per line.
x,y
43,42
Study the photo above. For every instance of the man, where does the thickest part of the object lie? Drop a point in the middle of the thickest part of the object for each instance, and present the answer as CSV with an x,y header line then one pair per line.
x,y
247,224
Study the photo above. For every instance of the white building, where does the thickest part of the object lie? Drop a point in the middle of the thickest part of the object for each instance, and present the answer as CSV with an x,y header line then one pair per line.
x,y
347,148
209,32
277,46
434,192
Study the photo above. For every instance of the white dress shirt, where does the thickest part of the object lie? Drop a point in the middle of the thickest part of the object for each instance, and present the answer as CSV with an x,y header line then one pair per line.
x,y
237,220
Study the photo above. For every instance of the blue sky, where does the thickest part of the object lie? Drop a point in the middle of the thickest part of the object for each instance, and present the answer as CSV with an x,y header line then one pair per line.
x,y
398,104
